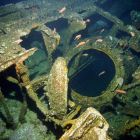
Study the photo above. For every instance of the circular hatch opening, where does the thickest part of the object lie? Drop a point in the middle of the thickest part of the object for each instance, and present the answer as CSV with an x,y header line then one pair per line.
x,y
94,72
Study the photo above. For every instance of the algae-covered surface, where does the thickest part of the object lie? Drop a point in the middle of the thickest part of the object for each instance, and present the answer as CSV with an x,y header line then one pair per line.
x,y
60,57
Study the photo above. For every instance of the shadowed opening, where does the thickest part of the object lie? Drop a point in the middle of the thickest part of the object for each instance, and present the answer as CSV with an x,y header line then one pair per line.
x,y
59,24
93,74
38,62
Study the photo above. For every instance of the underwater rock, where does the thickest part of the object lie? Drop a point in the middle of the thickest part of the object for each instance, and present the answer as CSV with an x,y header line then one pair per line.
x,y
30,131
91,125
58,87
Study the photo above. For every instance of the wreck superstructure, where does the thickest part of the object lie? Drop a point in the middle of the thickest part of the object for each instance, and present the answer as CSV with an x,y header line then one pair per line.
x,y
56,59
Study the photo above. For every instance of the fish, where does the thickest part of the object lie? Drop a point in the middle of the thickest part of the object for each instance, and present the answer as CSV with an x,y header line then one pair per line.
x,y
87,40
62,10
102,30
120,91
101,73
77,37
132,34
54,30
87,20
99,40
111,38
17,41
85,54
81,44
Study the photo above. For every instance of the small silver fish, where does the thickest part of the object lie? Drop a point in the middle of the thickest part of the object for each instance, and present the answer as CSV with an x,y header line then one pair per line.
x,y
102,30
132,34
85,54
87,20
101,73
62,10
99,40
54,30
77,37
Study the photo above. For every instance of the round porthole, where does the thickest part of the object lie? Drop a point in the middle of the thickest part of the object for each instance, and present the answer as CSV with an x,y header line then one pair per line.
x,y
94,72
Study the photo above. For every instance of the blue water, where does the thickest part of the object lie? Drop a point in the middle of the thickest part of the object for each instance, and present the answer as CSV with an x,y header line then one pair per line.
x,y
4,2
